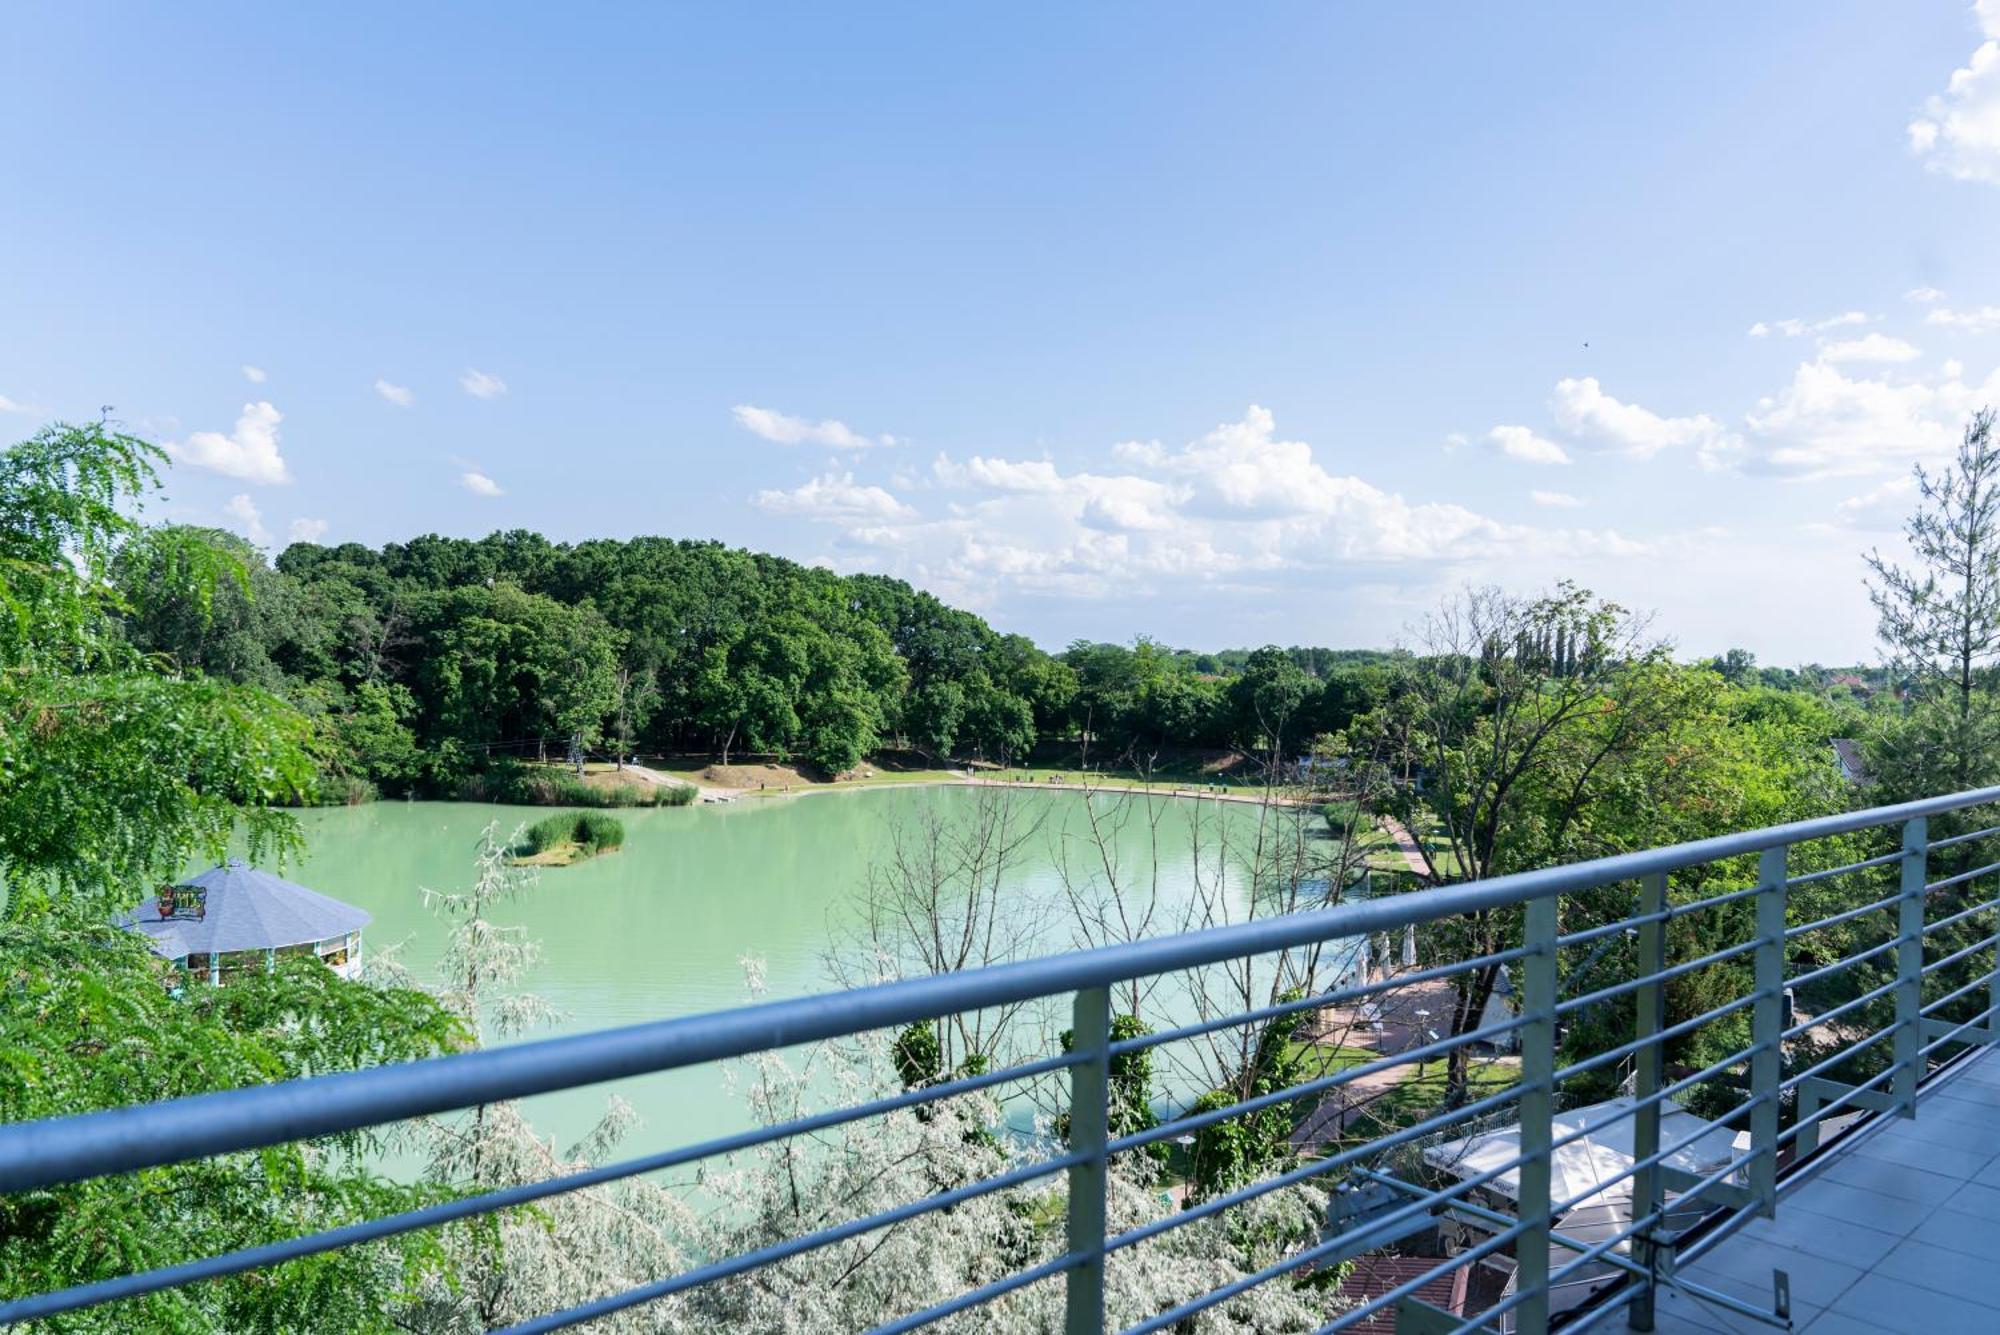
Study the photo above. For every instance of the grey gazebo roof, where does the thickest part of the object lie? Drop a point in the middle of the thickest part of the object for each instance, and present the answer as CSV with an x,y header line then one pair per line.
x,y
247,909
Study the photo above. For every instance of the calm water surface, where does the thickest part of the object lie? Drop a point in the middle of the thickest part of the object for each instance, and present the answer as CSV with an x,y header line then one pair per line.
x,y
660,929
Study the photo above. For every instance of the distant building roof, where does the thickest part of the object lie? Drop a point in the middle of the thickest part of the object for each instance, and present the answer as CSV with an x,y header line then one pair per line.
x,y
246,909
1853,766
1466,1290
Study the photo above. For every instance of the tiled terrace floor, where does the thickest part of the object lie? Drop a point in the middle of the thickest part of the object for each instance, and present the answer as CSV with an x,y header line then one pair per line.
x,y
1899,1232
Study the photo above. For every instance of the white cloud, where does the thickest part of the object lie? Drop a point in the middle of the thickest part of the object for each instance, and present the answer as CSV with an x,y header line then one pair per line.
x,y
1926,296
1555,500
1880,510
244,511
1869,348
1828,424
400,395
1958,133
834,497
1518,442
479,484
1232,512
308,530
784,429
8,405
256,375
1977,320
480,385
1589,415
1795,328
249,451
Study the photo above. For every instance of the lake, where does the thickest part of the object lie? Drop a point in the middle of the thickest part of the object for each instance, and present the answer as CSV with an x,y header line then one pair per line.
x,y
660,929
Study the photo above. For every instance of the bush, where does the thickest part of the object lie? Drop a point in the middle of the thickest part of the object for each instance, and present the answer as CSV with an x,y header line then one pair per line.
x,y
542,786
591,831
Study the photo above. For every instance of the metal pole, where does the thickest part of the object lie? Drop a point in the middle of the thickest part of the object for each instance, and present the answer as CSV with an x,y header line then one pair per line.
x,y
1089,1127
1537,1107
1767,1025
1909,1038
1648,1064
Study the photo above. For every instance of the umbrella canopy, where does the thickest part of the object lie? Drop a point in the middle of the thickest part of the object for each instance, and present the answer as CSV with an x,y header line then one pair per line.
x,y
245,909
1587,1166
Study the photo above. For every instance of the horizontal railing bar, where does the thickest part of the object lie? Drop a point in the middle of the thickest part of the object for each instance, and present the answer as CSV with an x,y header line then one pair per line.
x,y
1323,999
1812,877
1841,965
978,1297
1792,933
1610,1303
1293,1093
1936,844
1984,906
143,1282
1292,1177
790,1247
43,1153
1828,1063
1610,1055
1712,902
1588,934
1792,1132
1961,878
1873,994
1556,1238
1951,1036
1633,985
1983,943
1984,980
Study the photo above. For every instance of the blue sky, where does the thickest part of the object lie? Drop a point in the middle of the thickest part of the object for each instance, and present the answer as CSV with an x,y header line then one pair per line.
x,y
1219,324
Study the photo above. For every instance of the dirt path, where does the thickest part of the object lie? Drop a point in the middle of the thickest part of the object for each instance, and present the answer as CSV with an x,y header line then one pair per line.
x,y
1197,792
1406,843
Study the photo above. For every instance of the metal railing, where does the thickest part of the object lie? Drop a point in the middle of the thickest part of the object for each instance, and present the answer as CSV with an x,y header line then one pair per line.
x,y
1780,1087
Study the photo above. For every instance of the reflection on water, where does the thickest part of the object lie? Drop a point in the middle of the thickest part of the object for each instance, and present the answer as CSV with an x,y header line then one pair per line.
x,y
661,928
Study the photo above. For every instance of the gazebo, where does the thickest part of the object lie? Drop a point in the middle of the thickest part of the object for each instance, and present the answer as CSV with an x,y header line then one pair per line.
x,y
235,917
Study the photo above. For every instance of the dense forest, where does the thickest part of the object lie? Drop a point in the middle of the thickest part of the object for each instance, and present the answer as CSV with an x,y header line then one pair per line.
x,y
428,663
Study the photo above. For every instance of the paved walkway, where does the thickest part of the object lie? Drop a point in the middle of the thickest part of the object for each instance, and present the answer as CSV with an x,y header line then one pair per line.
x,y
1393,1025
1897,1234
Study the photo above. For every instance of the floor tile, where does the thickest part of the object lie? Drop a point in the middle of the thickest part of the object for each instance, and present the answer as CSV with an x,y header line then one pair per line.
x,y
1835,1239
1959,1151
1956,1231
1839,1323
1909,1309
1856,1205
1896,1179
1941,1271
1972,1198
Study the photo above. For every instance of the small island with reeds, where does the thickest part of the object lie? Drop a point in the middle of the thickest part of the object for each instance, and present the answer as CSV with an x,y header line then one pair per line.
x,y
567,838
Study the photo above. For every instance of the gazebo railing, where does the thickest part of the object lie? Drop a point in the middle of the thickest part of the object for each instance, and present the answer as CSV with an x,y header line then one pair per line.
x,y
1937,1004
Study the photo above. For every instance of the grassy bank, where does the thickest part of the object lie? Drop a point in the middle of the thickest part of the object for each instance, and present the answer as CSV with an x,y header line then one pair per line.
x,y
569,837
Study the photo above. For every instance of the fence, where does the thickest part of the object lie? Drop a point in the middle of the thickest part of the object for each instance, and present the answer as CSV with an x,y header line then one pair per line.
x,y
1912,911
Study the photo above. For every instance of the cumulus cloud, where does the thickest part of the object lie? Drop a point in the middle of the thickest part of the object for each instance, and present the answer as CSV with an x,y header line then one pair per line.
x,y
308,530
244,511
1232,510
784,429
1587,414
1795,328
1826,423
400,395
1882,509
481,385
1869,348
256,375
1958,133
834,497
479,484
1977,320
1927,296
8,405
249,451
1555,500
1520,443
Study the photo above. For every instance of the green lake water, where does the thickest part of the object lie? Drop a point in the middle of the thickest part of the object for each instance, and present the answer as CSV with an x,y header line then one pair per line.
x,y
660,928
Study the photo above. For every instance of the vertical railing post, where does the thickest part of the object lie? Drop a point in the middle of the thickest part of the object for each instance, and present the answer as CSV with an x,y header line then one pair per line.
x,y
1909,1040
1089,1128
1648,1067
1767,1025
1537,1107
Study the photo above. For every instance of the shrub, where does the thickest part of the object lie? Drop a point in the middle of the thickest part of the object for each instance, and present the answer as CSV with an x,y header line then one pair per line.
x,y
541,786
590,831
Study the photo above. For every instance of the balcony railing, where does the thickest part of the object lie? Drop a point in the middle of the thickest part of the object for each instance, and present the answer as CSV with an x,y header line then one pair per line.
x,y
1935,1006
